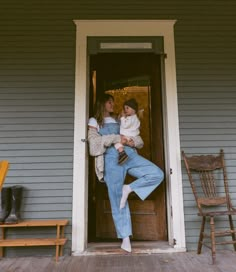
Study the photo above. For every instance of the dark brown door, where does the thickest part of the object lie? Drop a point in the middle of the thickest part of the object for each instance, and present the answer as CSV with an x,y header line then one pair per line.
x,y
127,75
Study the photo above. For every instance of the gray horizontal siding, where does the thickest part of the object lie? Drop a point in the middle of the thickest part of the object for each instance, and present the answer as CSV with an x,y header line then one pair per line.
x,y
37,66
206,73
37,117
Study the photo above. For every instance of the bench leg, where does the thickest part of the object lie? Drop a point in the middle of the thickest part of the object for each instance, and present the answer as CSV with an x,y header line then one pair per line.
x,y
57,252
2,237
62,236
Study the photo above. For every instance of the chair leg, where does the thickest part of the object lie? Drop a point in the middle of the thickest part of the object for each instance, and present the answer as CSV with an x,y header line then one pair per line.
x,y
213,242
232,229
201,235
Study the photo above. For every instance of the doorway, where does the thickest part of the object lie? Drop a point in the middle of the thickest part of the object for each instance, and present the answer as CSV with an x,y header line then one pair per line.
x,y
173,176
125,76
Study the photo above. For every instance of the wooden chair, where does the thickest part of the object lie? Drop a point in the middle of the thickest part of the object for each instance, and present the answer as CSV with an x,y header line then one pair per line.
x,y
208,179
3,171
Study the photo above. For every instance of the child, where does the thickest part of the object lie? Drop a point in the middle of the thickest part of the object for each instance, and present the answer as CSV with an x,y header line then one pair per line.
x,y
129,126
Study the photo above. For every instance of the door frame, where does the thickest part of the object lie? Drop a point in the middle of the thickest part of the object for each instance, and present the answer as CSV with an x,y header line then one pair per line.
x,y
174,187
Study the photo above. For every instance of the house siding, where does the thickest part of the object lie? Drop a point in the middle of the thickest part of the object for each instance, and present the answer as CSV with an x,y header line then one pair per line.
x,y
37,71
37,62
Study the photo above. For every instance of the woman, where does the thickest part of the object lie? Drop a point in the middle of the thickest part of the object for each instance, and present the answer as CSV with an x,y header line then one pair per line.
x,y
103,133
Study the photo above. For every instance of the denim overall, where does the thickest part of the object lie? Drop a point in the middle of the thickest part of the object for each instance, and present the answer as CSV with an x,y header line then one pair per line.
x,y
148,175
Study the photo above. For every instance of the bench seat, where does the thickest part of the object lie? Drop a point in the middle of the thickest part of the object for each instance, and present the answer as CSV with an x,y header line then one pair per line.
x,y
58,241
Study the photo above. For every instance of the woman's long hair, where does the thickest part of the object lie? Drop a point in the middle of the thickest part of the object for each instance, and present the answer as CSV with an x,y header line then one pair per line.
x,y
100,108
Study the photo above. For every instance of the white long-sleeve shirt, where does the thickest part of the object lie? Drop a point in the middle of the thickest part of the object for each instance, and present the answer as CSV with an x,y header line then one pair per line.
x,y
129,126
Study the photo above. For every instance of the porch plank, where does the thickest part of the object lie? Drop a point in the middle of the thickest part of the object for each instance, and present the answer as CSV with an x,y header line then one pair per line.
x,y
164,262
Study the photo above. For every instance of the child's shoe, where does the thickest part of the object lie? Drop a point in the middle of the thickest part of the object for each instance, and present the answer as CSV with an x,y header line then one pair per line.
x,y
122,157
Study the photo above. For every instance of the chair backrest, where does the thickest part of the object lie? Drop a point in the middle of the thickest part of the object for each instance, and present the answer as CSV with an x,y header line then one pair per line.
x,y
4,165
208,179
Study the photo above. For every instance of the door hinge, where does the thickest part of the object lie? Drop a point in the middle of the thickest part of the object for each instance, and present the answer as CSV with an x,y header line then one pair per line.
x,y
171,172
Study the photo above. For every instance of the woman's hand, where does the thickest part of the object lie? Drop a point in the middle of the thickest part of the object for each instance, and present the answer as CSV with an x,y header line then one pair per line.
x,y
127,141
130,142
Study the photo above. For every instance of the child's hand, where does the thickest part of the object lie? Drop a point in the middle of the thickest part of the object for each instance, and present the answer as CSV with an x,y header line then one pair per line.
x,y
122,114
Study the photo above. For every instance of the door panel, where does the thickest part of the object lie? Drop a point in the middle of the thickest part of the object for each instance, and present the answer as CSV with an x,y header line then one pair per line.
x,y
127,75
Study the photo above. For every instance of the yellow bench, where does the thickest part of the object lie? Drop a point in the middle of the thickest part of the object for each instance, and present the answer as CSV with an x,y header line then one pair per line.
x,y
4,165
58,241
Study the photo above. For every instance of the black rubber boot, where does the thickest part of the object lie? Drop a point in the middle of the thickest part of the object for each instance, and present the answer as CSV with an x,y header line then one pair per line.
x,y
16,198
5,203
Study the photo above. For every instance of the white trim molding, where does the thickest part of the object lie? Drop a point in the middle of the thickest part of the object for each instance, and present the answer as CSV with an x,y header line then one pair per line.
x,y
137,28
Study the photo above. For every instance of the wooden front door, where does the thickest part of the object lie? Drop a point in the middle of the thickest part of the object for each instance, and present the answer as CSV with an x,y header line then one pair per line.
x,y
127,75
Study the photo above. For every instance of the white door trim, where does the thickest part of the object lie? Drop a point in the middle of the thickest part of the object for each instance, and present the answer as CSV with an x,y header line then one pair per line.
x,y
95,28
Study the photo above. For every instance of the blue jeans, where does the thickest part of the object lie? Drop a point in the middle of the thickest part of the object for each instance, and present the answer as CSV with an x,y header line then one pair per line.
x,y
148,175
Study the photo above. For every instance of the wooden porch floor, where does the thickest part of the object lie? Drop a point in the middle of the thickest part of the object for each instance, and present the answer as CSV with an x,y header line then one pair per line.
x,y
162,262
